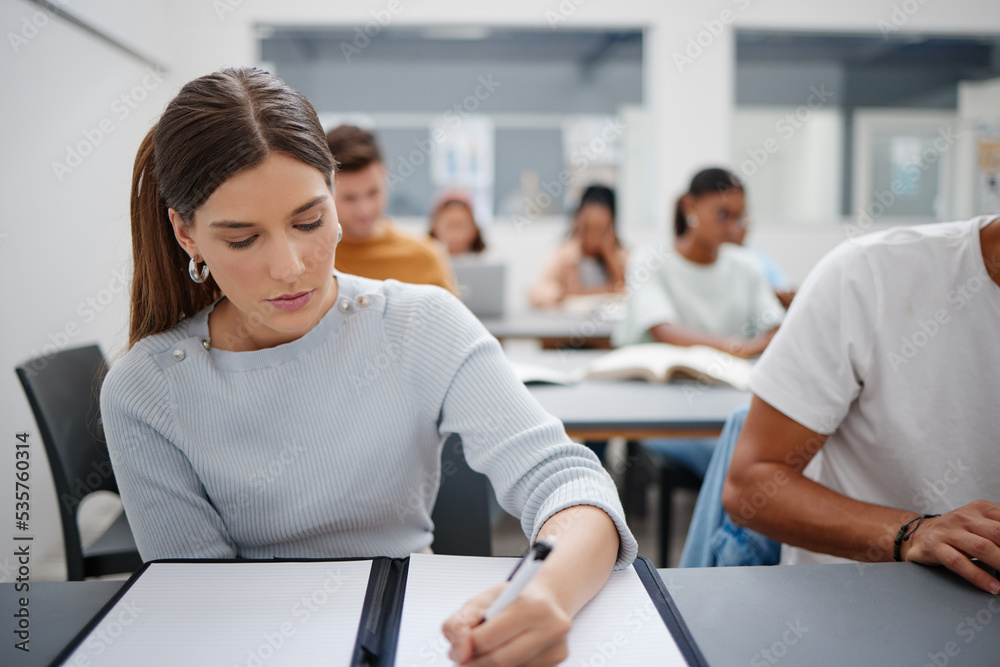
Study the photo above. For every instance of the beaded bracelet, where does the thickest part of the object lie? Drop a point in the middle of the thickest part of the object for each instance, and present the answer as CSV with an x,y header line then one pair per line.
x,y
903,535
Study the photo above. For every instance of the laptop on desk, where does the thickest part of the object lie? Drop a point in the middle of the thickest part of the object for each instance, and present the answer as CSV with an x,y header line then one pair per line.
x,y
481,287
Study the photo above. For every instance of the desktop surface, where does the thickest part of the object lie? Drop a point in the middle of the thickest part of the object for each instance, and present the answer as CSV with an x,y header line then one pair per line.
x,y
845,614
851,614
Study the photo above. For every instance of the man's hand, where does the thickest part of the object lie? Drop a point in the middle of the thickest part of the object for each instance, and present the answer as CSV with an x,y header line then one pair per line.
x,y
952,539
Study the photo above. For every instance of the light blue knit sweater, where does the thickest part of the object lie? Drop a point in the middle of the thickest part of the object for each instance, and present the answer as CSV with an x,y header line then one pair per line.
x,y
330,445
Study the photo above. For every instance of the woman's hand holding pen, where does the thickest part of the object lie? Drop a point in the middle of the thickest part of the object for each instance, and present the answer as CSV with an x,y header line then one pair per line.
x,y
531,631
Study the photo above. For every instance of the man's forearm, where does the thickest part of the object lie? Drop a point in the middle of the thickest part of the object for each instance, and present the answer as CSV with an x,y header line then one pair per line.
x,y
778,501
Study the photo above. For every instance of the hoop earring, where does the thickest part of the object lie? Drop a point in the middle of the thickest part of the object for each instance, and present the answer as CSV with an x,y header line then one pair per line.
x,y
340,232
197,276
692,220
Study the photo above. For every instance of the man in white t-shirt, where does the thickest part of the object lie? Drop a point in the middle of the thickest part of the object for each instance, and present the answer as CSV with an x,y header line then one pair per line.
x,y
877,405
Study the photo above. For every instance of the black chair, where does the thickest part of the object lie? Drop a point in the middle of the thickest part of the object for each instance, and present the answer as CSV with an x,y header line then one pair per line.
x,y
645,466
462,510
63,390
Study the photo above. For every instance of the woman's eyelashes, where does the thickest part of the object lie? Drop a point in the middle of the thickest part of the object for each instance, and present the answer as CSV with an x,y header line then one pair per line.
x,y
245,243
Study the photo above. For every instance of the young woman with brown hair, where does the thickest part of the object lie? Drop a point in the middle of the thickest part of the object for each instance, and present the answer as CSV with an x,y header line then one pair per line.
x,y
702,290
272,407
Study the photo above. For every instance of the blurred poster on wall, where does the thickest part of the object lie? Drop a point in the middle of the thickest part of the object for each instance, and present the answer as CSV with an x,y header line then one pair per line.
x,y
591,151
463,159
988,170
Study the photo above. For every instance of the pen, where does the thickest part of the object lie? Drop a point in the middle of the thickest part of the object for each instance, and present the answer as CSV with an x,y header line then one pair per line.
x,y
523,573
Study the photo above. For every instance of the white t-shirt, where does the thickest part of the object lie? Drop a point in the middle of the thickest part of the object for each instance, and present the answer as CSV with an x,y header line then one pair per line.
x,y
730,297
892,347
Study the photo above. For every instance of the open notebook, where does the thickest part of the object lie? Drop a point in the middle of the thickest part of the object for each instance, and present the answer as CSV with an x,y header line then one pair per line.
x,y
385,611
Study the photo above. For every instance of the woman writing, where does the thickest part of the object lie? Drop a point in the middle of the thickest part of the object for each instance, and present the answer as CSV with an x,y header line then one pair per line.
x,y
592,260
271,407
702,291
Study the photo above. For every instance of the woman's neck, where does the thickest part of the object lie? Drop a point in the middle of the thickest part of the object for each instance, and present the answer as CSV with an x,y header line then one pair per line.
x,y
695,250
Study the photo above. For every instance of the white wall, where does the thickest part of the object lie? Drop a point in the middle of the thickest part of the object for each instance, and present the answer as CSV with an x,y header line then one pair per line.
x,y
61,241
64,239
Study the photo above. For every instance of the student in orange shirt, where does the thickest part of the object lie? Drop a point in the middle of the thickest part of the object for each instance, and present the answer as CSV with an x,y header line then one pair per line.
x,y
373,247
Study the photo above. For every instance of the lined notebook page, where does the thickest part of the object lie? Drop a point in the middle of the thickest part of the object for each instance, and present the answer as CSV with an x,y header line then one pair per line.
x,y
233,614
620,626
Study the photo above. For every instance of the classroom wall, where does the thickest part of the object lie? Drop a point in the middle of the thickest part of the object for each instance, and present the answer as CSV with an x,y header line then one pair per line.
x,y
64,242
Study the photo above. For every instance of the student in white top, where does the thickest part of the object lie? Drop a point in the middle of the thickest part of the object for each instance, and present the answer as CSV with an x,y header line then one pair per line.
x,y
703,290
875,408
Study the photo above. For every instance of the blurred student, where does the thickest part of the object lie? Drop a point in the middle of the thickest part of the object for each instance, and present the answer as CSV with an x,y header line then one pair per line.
x,y
874,409
702,290
591,261
780,283
374,247
453,223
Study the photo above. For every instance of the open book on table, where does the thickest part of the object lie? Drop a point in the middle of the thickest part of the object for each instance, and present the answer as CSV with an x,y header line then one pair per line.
x,y
654,362
384,611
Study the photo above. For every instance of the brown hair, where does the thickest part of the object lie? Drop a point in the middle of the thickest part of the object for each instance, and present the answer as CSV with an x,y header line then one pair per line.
x,y
216,126
478,245
353,148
